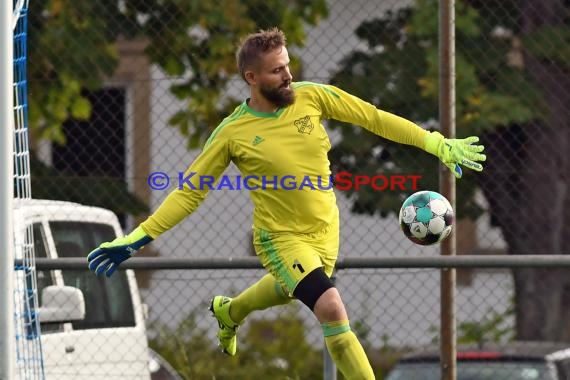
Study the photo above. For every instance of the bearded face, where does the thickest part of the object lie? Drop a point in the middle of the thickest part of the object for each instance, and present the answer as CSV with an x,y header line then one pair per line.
x,y
282,95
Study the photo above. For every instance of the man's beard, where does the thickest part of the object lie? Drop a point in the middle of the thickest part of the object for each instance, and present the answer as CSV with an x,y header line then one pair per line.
x,y
279,96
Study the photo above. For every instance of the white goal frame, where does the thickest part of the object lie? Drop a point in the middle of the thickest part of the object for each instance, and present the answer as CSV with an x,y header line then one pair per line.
x,y
7,337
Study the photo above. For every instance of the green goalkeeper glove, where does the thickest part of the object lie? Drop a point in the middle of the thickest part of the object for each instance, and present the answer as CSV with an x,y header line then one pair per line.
x,y
107,257
455,152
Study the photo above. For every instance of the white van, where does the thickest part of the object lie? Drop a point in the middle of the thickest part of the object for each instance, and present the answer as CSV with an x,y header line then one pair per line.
x,y
98,330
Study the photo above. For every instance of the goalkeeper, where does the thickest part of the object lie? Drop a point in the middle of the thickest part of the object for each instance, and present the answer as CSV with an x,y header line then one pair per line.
x,y
277,132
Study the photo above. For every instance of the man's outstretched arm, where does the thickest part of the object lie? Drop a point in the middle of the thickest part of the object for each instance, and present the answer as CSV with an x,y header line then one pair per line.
x,y
212,162
454,153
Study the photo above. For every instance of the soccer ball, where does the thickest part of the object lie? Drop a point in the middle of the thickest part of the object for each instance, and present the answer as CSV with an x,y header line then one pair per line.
x,y
426,218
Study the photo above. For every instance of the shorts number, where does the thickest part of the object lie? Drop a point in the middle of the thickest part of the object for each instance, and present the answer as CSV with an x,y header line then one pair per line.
x,y
297,265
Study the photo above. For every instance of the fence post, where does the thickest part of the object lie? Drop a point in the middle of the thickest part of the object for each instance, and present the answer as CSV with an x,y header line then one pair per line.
x,y
447,183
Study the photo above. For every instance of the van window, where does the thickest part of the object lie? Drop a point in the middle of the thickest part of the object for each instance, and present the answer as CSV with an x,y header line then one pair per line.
x,y
108,301
43,277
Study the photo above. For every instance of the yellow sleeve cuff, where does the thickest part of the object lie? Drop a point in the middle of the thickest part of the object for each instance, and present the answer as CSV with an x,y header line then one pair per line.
x,y
432,142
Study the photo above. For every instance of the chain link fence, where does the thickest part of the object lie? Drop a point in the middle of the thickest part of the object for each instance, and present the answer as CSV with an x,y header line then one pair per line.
x,y
395,310
123,95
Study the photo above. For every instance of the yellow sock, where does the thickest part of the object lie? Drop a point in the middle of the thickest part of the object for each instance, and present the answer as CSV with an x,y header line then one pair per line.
x,y
346,351
263,294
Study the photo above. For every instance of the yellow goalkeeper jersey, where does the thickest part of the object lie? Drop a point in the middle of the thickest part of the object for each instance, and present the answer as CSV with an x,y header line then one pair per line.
x,y
282,158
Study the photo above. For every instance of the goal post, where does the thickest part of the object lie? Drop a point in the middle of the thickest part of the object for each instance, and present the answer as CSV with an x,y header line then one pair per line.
x,y
20,336
7,336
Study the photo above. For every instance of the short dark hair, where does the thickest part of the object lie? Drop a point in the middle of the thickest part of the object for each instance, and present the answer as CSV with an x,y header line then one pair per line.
x,y
255,44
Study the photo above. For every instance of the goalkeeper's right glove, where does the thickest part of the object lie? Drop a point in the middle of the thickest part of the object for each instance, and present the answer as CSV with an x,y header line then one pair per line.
x,y
107,257
455,152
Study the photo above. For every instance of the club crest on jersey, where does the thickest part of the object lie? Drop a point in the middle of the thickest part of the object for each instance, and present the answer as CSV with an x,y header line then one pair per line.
x,y
304,125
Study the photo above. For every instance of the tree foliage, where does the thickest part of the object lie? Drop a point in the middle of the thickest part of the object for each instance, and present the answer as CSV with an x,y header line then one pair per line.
x,y
73,48
72,51
399,73
511,87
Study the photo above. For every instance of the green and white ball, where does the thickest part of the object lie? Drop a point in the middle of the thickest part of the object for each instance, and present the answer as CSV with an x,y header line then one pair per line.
x,y
426,217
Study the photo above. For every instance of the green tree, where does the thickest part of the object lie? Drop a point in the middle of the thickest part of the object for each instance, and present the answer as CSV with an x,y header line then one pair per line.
x,y
72,51
529,167
399,73
73,48
511,89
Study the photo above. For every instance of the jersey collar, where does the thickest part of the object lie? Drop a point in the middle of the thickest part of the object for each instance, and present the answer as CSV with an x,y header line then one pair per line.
x,y
262,114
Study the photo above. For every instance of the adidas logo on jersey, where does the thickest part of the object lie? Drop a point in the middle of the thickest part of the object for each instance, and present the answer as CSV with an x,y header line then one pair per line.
x,y
257,140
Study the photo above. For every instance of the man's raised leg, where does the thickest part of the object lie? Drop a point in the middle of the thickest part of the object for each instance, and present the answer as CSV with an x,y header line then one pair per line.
x,y
231,312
